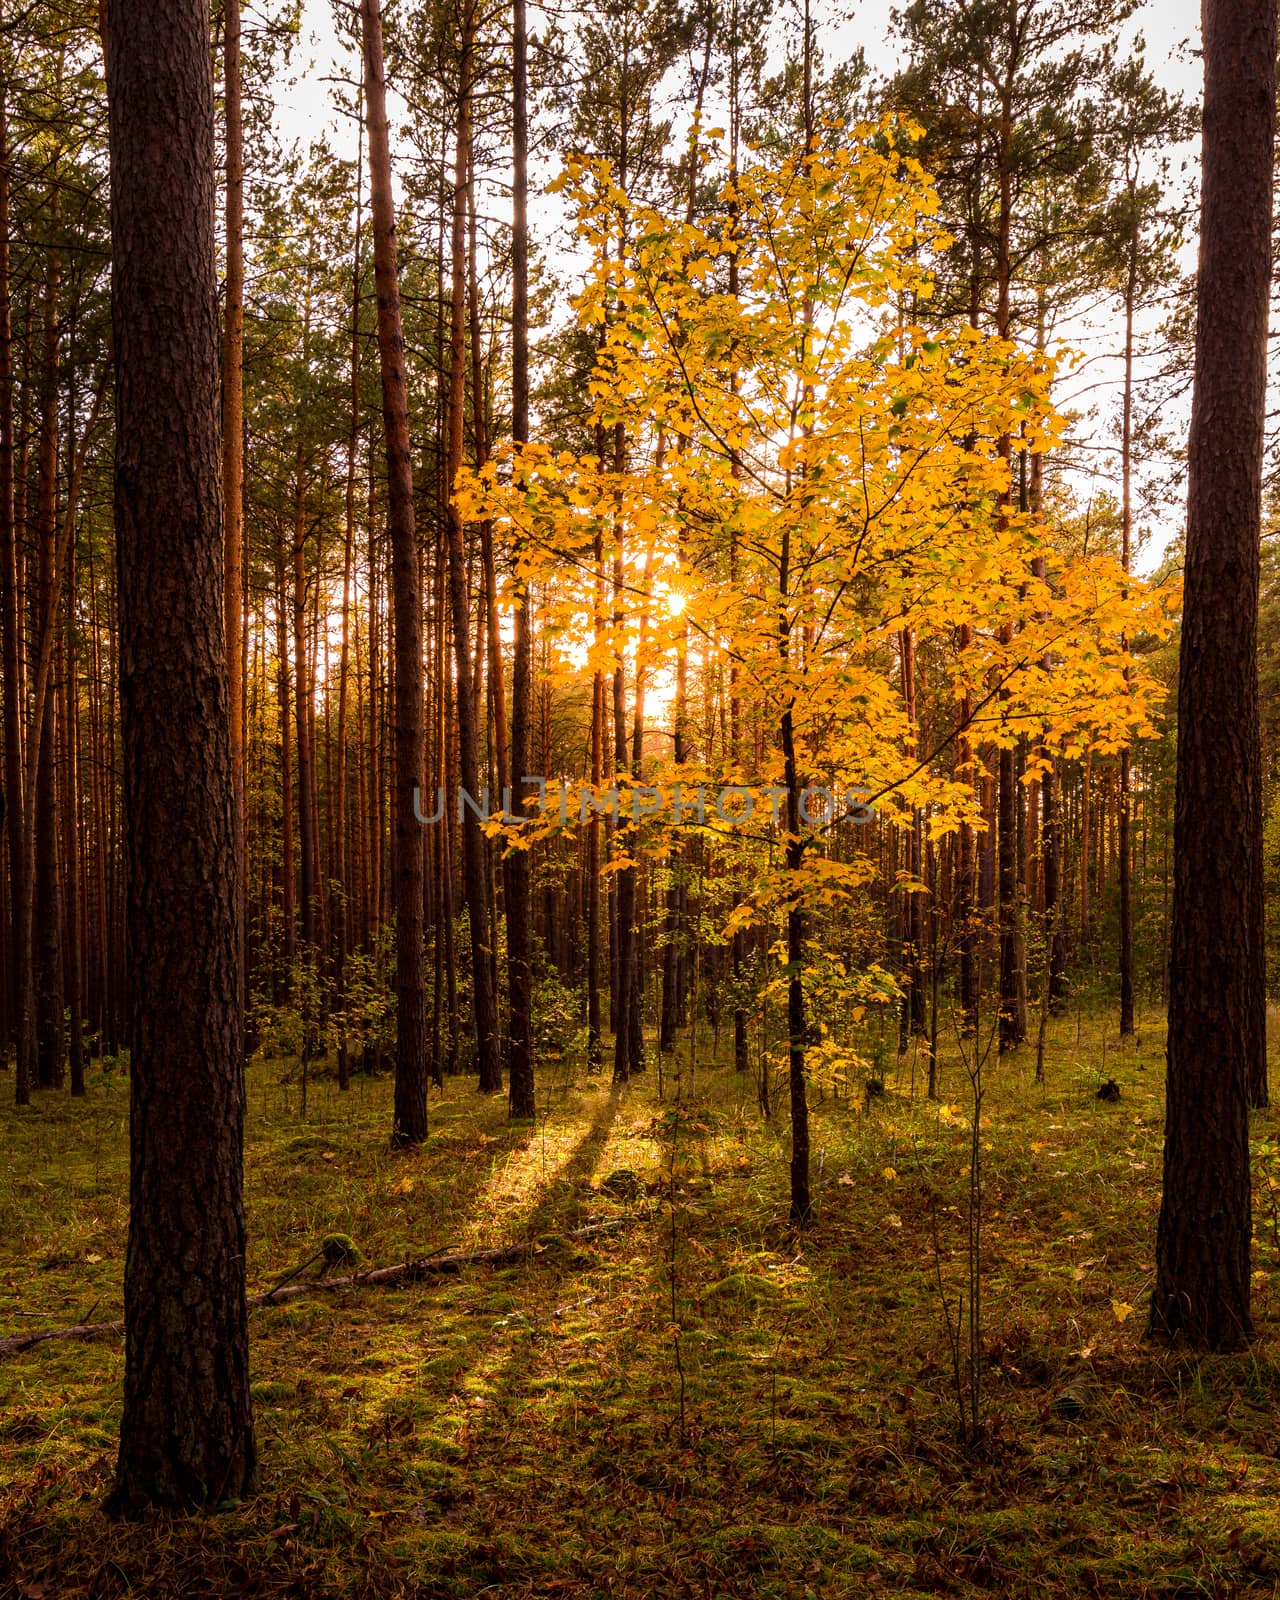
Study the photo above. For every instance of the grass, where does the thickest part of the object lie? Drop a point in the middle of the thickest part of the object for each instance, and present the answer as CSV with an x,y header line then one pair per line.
x,y
518,1431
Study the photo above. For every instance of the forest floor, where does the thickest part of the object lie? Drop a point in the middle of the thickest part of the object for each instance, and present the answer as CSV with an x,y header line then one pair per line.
x,y
521,1431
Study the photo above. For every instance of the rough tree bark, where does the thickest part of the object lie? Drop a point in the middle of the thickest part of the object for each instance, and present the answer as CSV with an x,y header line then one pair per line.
x,y
186,1433
1217,998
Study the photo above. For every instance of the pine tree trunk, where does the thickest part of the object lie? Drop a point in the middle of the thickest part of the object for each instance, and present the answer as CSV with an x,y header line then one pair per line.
x,y
474,854
595,1052
19,879
1013,1017
635,1007
233,432
1126,524
303,701
913,904
1052,866
410,1116
1217,996
963,908
47,900
519,908
342,852
186,1433
625,879
70,767
1086,843
287,860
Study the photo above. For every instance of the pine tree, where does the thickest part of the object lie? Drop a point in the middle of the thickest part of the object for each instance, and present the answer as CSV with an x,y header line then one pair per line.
x,y
186,1433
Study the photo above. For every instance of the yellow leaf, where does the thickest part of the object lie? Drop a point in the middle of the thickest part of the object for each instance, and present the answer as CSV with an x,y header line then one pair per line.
x,y
1121,1310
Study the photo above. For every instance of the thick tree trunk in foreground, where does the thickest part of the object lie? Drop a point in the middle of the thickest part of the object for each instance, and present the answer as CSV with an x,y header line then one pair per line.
x,y
186,1434
1217,1009
410,1125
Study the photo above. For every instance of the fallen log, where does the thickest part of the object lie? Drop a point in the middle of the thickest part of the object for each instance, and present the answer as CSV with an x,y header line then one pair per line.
x,y
404,1272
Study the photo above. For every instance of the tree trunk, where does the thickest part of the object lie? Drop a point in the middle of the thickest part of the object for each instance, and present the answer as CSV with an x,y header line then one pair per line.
x,y
963,913
342,929
625,879
519,909
912,904
10,662
1217,995
801,1202
595,1053
1051,834
287,860
410,1116
474,852
47,918
186,1433
1086,841
1013,1011
1126,553
233,433
70,767
303,702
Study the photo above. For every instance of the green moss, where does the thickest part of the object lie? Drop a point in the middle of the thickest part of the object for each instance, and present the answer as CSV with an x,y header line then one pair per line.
x,y
742,1288
265,1393
518,1431
444,1369
340,1250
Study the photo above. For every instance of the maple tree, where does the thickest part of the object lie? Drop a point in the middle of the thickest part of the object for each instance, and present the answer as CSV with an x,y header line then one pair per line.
x,y
849,464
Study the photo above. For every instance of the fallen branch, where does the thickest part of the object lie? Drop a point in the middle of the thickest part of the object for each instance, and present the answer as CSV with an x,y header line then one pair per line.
x,y
404,1272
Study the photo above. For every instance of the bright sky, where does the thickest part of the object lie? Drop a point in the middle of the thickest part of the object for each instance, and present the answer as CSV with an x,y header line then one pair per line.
x,y
1169,28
